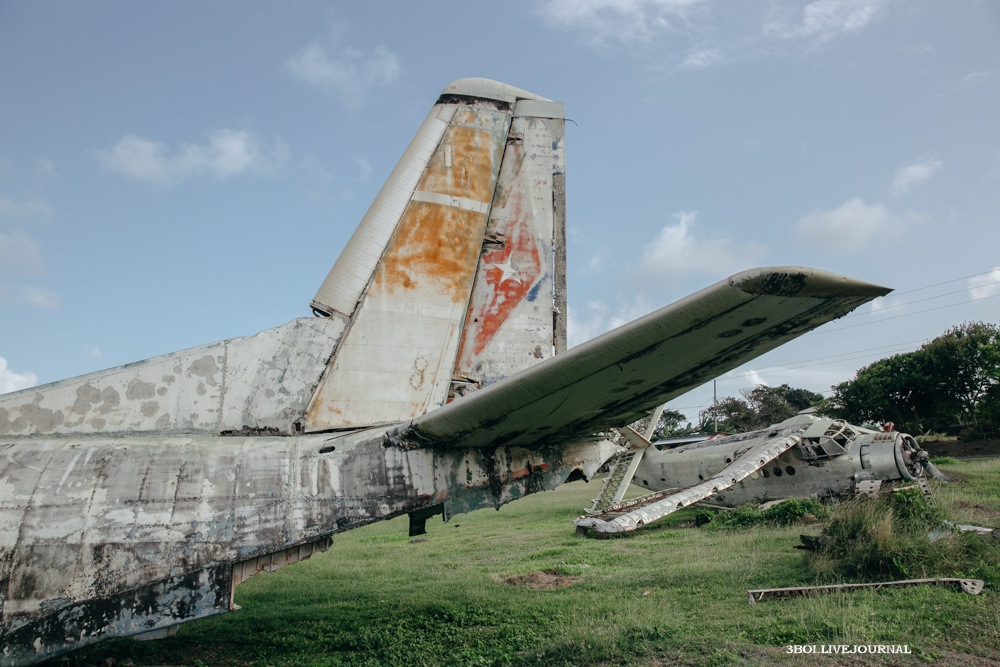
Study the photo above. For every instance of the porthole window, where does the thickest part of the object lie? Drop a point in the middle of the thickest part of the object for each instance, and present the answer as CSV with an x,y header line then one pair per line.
x,y
777,471
766,473
790,470
701,478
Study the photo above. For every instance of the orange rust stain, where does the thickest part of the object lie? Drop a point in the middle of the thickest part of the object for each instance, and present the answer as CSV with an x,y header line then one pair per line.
x,y
463,165
436,247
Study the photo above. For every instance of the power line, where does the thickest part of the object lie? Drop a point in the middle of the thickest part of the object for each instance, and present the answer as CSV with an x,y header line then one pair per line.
x,y
896,317
929,298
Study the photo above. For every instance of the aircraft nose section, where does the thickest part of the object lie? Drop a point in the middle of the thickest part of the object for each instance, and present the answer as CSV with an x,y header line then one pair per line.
x,y
892,455
909,456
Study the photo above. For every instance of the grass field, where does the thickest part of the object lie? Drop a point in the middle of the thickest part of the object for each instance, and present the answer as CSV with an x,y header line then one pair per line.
x,y
667,595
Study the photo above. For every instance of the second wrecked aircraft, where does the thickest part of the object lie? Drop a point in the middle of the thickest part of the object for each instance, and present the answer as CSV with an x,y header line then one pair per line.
x,y
802,457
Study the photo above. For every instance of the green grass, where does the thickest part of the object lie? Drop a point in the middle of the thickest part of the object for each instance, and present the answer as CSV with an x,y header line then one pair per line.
x,y
665,595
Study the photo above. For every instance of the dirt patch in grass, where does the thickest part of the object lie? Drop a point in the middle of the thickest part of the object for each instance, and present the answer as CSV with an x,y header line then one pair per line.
x,y
965,504
961,448
539,581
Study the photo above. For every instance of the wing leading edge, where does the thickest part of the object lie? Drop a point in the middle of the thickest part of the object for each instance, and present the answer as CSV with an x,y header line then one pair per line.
x,y
620,376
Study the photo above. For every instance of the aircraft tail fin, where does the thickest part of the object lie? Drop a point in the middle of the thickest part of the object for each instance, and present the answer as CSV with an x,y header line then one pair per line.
x,y
454,277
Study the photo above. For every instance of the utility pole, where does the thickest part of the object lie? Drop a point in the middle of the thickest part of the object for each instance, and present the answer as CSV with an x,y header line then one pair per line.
x,y
715,406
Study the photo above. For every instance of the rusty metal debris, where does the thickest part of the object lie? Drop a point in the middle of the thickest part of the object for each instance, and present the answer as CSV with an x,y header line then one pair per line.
x,y
970,586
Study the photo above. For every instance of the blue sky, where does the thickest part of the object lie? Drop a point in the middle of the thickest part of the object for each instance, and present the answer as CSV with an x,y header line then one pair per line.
x,y
172,174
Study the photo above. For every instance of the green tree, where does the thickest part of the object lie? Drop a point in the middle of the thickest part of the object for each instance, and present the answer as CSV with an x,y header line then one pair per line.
x,y
965,364
895,389
771,405
955,378
759,408
729,414
671,425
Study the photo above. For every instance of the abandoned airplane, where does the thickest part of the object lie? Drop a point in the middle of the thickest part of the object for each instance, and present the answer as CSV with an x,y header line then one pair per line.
x,y
435,380
802,457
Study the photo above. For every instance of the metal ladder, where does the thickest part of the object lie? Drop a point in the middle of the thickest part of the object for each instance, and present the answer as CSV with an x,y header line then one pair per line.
x,y
617,481
925,488
622,467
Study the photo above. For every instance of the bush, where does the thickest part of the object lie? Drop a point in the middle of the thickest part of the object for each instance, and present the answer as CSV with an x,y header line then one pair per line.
x,y
888,538
783,514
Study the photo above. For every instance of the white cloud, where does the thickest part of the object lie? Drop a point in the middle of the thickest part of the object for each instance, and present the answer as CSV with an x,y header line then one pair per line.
x,y
11,381
598,318
23,208
343,71
851,226
19,255
678,253
754,378
987,285
227,153
970,80
592,322
910,176
34,296
40,297
823,20
626,21
702,58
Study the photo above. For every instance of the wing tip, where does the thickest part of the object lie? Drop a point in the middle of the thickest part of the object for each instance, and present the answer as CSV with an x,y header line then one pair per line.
x,y
803,282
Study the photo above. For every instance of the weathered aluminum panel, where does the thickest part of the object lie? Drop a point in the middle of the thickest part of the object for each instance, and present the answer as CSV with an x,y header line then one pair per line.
x,y
620,376
259,383
397,357
510,324
106,537
351,273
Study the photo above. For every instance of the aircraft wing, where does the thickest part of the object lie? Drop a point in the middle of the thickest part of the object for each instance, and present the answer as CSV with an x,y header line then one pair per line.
x,y
639,512
620,376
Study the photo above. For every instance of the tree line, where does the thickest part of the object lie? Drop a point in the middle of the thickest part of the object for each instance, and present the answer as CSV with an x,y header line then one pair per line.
x,y
950,384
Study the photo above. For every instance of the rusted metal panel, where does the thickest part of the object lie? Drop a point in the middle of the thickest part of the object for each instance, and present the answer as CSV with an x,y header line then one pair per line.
x,y
509,325
970,586
396,359
344,286
258,383
108,538
351,273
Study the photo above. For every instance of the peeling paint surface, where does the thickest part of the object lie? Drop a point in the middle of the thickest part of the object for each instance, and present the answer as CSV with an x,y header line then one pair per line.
x,y
397,357
105,538
255,383
509,325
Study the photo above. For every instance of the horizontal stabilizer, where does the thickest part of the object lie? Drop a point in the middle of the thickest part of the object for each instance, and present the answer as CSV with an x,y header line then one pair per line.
x,y
642,511
620,376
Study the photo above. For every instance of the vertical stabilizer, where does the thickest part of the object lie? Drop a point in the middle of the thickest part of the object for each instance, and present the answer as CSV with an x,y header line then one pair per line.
x,y
406,276
516,316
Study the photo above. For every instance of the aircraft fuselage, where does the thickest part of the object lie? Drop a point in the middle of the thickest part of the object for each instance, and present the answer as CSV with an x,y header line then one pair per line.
x,y
830,461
